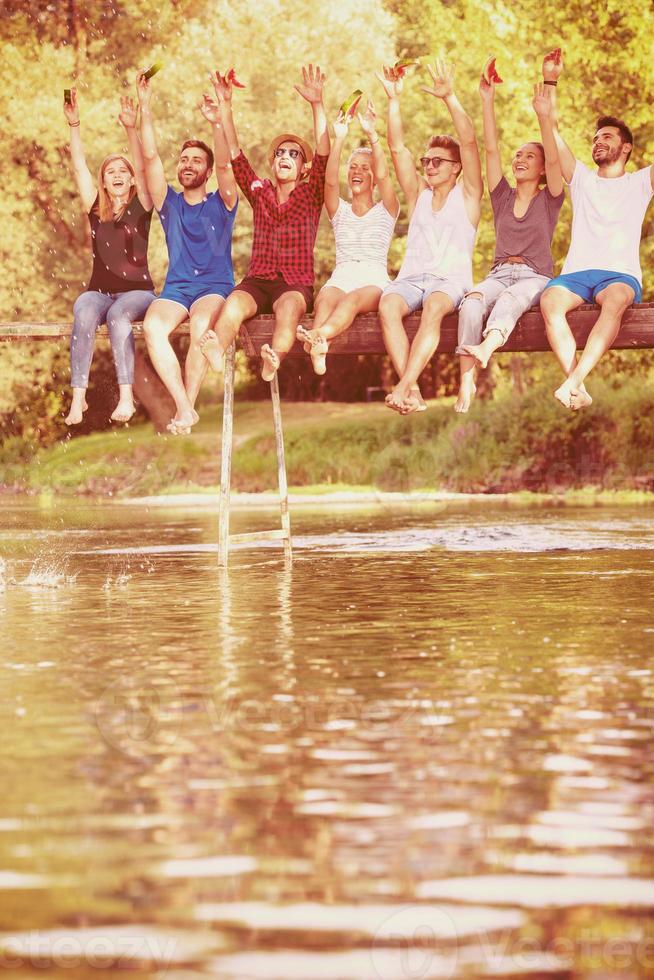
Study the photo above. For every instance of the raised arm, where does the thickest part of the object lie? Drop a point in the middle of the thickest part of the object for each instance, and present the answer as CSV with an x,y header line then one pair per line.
x,y
211,110
311,89
493,156
552,68
332,185
154,171
85,183
127,116
443,88
403,163
543,108
223,89
383,180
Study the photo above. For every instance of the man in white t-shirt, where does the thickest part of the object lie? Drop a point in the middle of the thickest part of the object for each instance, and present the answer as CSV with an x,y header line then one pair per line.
x,y
602,265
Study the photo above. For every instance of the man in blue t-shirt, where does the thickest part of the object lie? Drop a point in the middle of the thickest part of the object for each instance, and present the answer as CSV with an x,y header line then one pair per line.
x,y
198,228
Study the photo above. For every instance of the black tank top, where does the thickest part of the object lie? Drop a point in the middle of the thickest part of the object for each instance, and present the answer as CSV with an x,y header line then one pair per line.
x,y
120,250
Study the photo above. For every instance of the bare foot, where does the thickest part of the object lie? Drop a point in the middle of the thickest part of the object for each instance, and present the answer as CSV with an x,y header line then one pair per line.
x,y
414,402
123,410
183,422
480,354
397,398
579,398
305,338
318,355
210,347
270,364
564,394
467,391
77,408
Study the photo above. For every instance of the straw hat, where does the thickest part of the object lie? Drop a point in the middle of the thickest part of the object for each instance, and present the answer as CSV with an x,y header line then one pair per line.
x,y
289,138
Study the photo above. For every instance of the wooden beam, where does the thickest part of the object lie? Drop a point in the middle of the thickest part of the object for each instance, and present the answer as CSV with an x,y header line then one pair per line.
x,y
364,336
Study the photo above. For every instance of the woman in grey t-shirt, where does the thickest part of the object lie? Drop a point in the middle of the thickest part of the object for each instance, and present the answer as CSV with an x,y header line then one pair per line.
x,y
525,217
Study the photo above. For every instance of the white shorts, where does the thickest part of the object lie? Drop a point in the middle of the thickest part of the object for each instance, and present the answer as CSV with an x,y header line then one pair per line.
x,y
355,275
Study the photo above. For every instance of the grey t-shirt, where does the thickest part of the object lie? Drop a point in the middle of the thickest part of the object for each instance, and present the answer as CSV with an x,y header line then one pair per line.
x,y
530,236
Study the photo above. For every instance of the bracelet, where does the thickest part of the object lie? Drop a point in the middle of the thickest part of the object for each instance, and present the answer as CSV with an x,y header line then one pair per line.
x,y
72,125
549,82
223,166
374,142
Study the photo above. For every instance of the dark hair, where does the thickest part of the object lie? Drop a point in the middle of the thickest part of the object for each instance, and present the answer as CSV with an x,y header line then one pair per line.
x,y
625,132
201,145
445,143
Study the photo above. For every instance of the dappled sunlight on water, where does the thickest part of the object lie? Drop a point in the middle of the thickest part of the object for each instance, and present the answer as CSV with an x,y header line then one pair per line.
x,y
425,750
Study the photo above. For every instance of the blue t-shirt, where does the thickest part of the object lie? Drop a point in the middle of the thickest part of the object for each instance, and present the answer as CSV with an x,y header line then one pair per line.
x,y
199,239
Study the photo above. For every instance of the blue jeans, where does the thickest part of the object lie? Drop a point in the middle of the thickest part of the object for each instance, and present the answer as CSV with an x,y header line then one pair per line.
x,y
118,311
508,292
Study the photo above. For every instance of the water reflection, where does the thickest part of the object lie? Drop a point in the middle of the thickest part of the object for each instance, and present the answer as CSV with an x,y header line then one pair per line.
x,y
385,762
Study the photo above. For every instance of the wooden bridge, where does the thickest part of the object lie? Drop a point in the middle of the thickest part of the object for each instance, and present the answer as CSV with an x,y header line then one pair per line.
x,y
363,337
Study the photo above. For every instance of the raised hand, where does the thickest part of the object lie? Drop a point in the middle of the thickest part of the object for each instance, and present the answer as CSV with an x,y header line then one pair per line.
x,y
128,112
143,89
368,120
312,84
541,101
486,88
552,65
210,109
341,126
71,109
222,86
392,82
442,77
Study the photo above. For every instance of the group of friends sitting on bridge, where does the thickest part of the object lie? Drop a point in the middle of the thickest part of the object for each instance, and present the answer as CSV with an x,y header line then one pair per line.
x,y
443,201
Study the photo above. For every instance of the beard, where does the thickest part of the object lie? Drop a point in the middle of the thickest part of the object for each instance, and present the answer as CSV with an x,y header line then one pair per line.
x,y
197,180
606,156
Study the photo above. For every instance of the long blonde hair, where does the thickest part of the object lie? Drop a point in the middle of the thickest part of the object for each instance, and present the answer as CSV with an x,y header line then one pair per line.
x,y
105,208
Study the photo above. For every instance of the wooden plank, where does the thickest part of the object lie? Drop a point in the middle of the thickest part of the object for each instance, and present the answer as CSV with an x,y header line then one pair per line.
x,y
279,534
226,457
364,336
281,467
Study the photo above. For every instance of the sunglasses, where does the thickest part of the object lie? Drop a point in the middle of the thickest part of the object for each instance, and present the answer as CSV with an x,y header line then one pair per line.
x,y
435,161
293,153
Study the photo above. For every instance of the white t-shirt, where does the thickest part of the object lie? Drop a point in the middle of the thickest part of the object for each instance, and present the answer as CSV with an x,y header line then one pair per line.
x,y
440,243
365,237
607,218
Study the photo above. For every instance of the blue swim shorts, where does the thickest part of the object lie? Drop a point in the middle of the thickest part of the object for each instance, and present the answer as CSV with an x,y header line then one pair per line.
x,y
188,293
589,282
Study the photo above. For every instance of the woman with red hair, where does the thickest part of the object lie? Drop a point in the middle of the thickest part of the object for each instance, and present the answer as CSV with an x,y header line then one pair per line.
x,y
120,289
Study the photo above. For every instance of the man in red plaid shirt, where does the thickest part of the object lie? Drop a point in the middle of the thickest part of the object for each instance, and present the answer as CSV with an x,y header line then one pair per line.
x,y
286,212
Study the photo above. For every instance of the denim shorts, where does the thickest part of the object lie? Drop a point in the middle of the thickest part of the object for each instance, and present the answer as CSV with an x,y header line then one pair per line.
x,y
414,290
589,282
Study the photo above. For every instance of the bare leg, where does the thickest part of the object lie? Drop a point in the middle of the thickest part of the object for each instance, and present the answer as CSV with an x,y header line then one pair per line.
x,y
364,300
425,342
162,318
289,310
238,307
203,315
555,303
614,301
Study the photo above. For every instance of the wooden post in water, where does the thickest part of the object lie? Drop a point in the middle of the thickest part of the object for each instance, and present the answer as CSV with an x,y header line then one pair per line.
x,y
281,467
226,457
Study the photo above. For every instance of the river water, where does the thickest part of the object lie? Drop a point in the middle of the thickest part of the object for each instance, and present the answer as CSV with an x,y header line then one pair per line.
x,y
424,751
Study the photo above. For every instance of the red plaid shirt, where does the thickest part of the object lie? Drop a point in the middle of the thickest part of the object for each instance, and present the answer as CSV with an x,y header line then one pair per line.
x,y
284,234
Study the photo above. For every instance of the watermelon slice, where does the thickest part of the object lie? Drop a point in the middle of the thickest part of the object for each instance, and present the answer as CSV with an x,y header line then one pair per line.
x,y
490,73
554,56
402,66
153,69
231,79
351,104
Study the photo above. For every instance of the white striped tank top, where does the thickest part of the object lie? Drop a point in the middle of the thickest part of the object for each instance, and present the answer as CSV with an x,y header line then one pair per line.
x,y
362,238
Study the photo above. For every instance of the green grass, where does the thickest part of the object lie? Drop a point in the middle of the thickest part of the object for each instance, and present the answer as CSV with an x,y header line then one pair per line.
x,y
512,443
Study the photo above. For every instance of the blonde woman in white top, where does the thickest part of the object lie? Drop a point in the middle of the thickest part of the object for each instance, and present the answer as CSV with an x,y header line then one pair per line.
x,y
363,231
